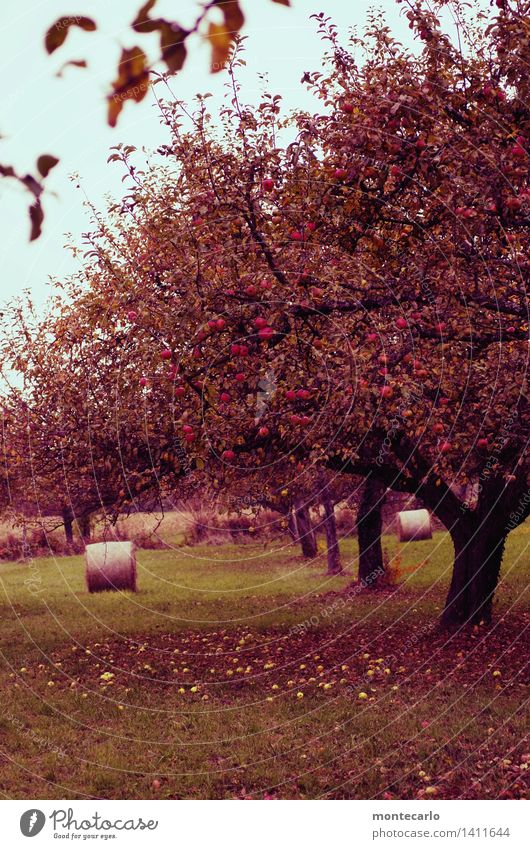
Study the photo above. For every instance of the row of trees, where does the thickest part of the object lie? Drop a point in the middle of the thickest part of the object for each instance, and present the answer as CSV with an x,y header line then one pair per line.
x,y
336,293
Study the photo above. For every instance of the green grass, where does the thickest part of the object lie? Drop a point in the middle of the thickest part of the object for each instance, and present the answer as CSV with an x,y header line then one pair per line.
x,y
438,719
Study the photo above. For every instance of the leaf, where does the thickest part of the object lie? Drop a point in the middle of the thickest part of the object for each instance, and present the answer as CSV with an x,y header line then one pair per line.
x,y
58,31
76,63
142,22
234,18
132,82
172,43
220,40
45,163
36,217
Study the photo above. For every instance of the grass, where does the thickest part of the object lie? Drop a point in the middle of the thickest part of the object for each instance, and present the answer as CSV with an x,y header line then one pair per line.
x,y
203,667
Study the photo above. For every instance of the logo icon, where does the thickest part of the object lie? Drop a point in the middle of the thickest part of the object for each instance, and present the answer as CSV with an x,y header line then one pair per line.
x,y
31,822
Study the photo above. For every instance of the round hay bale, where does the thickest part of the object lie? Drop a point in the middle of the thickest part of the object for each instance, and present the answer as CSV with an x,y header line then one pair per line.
x,y
414,525
110,566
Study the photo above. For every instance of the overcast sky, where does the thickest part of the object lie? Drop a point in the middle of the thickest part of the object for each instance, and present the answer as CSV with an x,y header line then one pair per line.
x,y
65,116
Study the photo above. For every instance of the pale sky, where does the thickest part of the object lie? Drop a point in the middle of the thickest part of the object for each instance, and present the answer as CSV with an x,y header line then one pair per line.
x,y
67,116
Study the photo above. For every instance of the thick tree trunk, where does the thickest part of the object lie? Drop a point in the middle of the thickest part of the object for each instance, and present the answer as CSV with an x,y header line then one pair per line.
x,y
369,526
478,558
306,534
68,521
330,528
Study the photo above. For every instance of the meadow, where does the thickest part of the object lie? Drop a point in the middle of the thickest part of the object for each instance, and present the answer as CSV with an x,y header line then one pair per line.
x,y
244,672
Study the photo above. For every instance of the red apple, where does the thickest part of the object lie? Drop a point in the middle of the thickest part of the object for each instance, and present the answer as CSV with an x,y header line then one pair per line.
x,y
421,144
267,184
143,381
243,350
240,377
189,437
296,236
290,394
235,349
347,107
266,333
132,315
229,455
445,401
166,354
220,324
401,323
187,428
511,329
311,226
386,391
482,443
251,290
438,428
440,327
371,337
340,173
260,322
180,391
212,324
303,394
445,447
263,432
224,396
294,419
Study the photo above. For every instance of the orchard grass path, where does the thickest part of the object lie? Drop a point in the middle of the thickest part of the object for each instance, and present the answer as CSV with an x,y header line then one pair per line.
x,y
243,672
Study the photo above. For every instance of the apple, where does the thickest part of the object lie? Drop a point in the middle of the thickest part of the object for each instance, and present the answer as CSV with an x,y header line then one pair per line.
x,y
212,324
383,371
438,428
267,184
166,354
229,455
243,350
340,173
482,443
189,437
220,324
187,428
311,226
518,150
386,391
290,394
180,391
224,396
296,236
347,107
445,447
371,337
132,315
263,432
511,329
240,377
395,170
383,358
294,419
266,333
303,394
251,290
305,420
514,204
143,381
421,144
401,323
266,284
235,349
260,322
445,401
487,91
440,326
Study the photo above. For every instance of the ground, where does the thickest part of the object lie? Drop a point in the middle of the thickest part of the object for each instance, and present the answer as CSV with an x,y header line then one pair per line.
x,y
245,673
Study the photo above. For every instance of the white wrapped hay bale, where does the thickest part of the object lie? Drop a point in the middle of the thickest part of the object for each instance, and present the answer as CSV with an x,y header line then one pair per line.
x,y
110,566
414,525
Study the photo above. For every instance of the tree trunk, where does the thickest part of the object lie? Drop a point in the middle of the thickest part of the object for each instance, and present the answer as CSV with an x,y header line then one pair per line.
x,y
369,526
330,528
478,557
306,534
68,520
83,524
291,526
